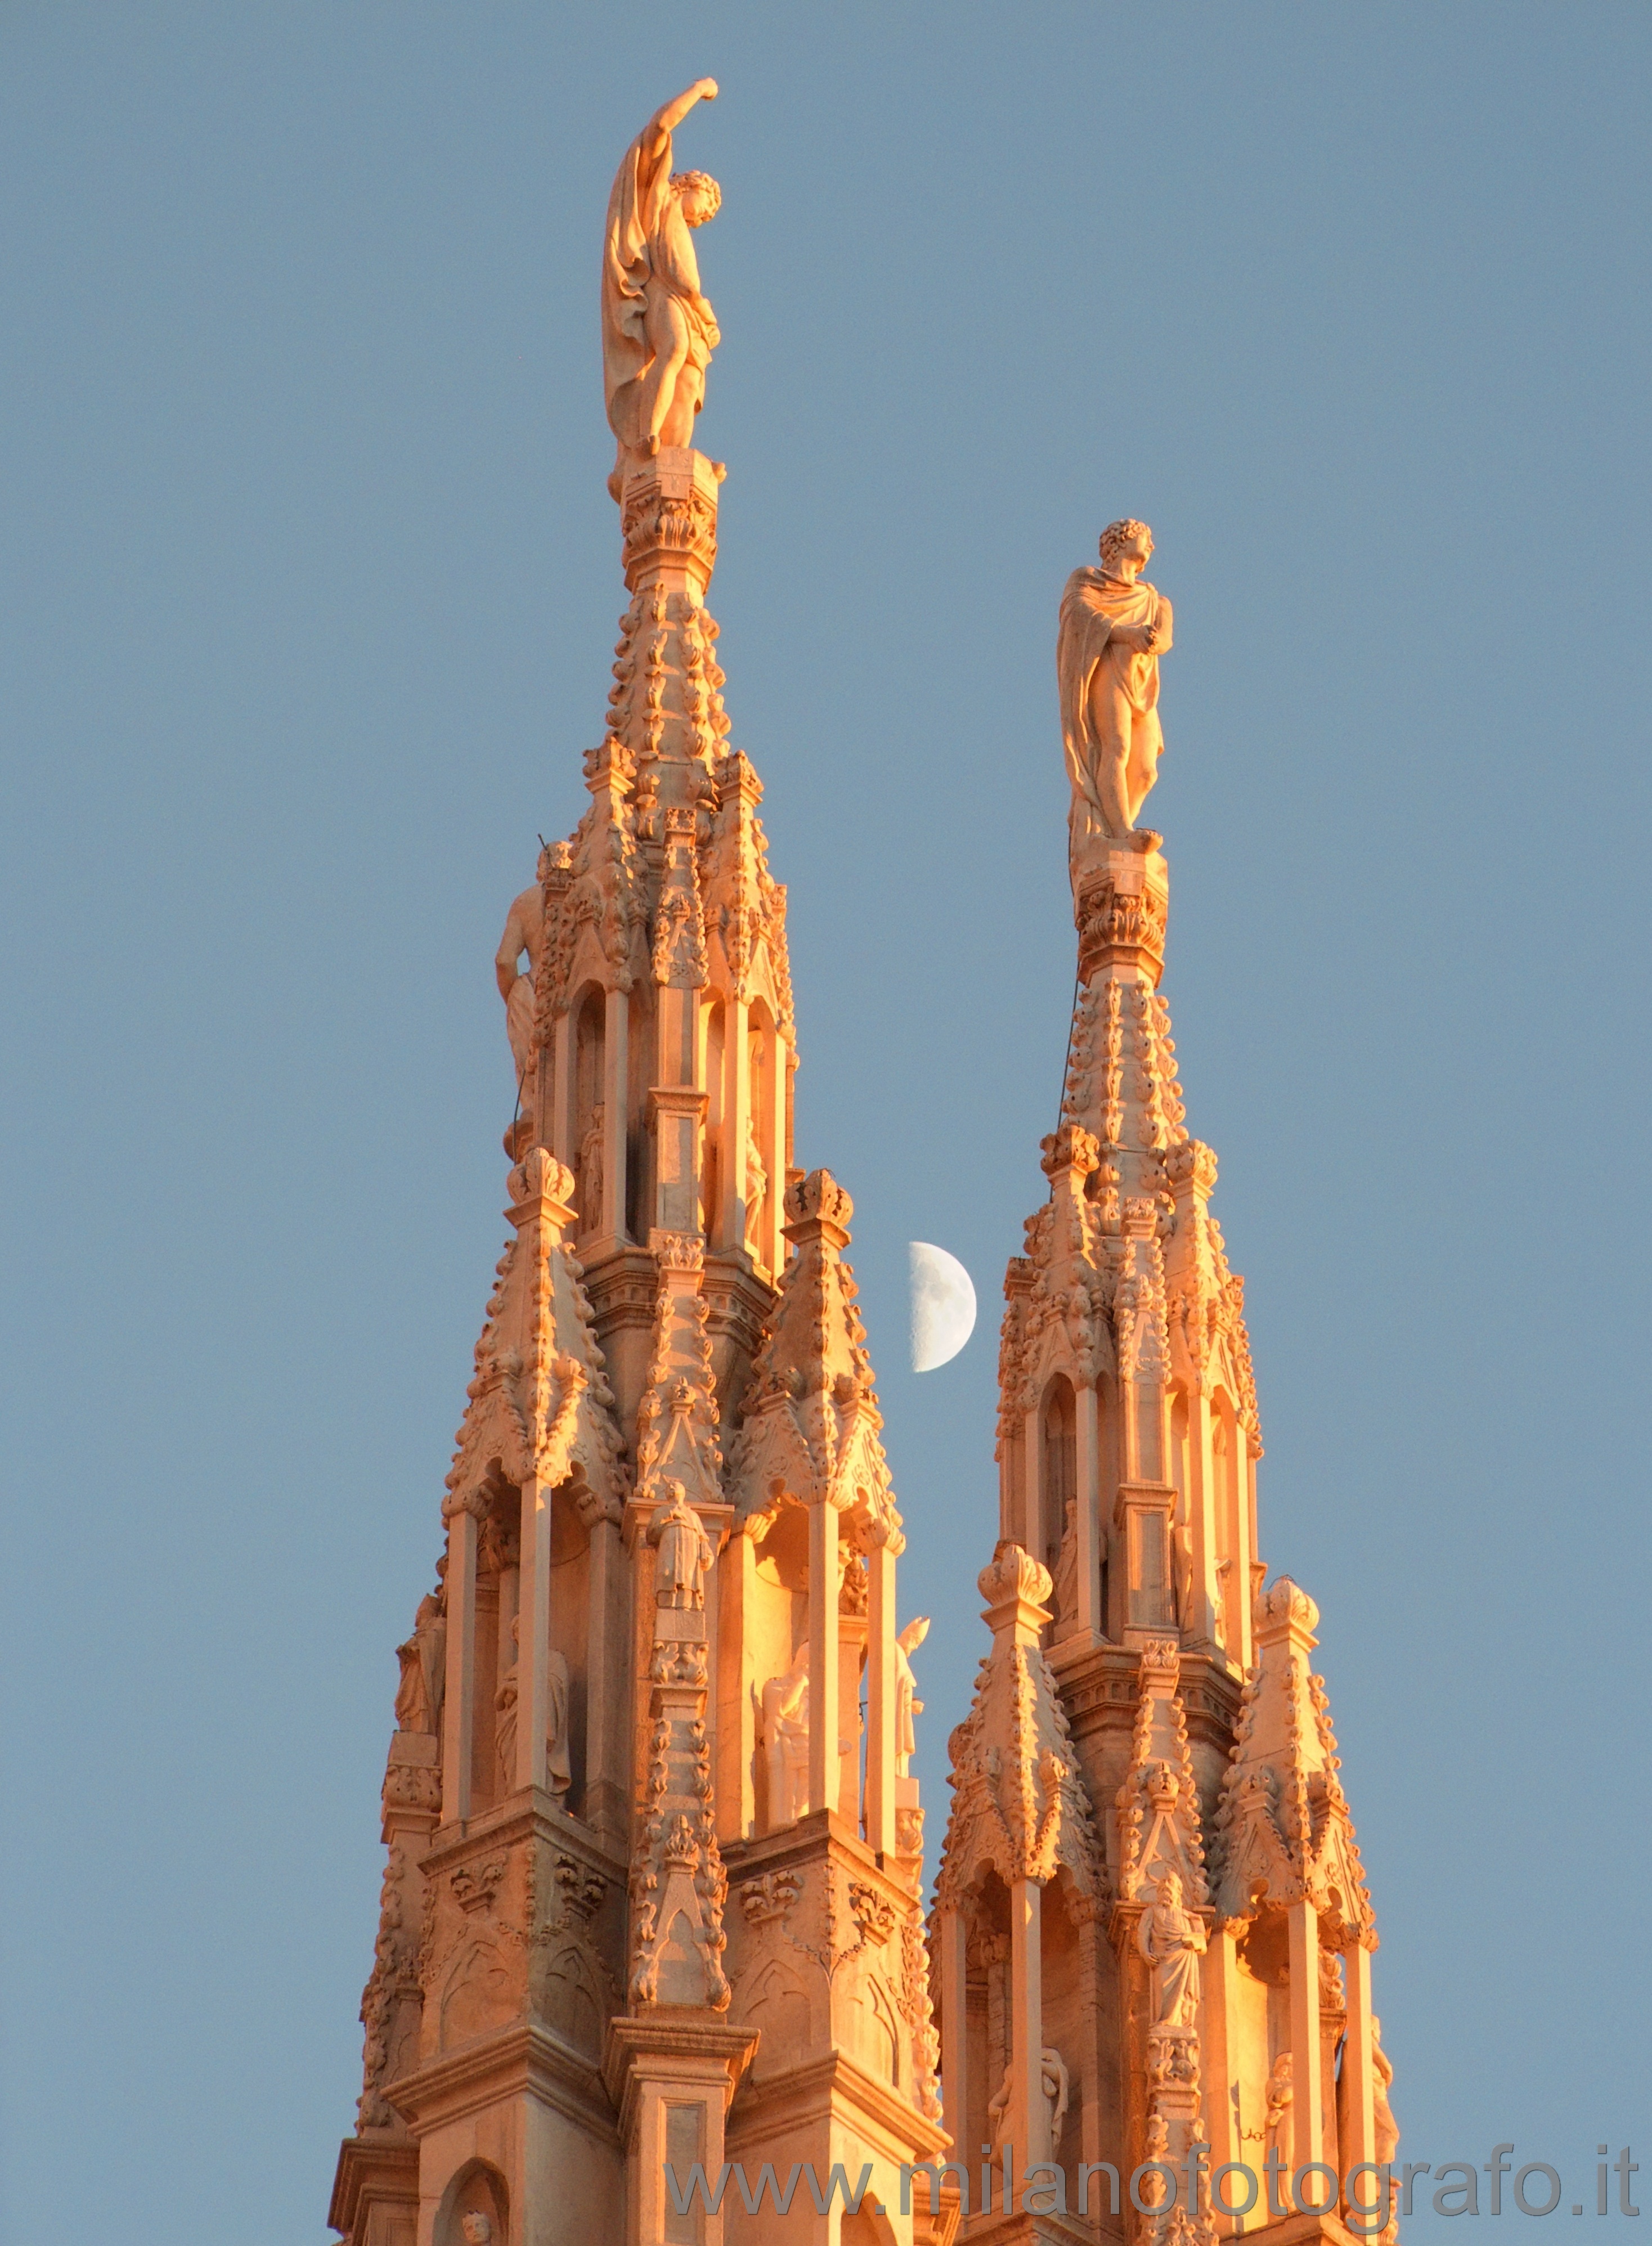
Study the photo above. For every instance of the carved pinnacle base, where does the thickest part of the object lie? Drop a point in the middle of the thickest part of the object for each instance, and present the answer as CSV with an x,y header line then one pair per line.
x,y
1121,907
668,521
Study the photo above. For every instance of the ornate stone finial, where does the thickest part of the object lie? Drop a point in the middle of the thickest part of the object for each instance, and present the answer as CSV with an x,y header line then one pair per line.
x,y
1285,1606
818,1206
658,330
1013,1577
540,1177
1114,627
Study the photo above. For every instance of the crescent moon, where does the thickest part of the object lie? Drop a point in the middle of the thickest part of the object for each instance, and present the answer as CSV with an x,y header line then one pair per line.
x,y
943,1305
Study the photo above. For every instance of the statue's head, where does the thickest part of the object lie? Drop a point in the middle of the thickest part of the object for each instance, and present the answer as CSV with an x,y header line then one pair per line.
x,y
699,195
1125,542
478,2230
1170,1890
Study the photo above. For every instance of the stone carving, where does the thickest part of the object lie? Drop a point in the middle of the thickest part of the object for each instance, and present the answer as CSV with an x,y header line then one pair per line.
x,y
476,2229
1113,628
1173,1941
685,1554
757,1189
591,1172
424,1660
907,1703
1053,2081
1158,1804
524,934
1283,1828
786,1741
559,1773
658,330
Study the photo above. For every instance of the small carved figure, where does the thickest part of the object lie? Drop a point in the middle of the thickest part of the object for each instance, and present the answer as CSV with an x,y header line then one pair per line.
x,y
1053,2081
1382,2067
684,1550
476,2229
1276,2119
524,932
559,1771
756,1189
424,1659
1173,1941
786,1740
907,1703
1114,627
658,330
1066,1573
591,1172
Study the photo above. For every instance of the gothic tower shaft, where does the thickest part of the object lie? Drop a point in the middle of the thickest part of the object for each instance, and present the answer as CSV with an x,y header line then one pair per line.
x,y
654,1895
1152,1928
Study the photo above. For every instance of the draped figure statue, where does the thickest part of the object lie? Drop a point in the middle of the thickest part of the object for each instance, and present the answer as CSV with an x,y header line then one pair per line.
x,y
1114,627
1171,1940
658,330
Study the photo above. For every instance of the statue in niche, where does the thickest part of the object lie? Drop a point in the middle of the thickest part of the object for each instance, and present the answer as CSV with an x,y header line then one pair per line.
x,y
475,2229
684,1550
1276,2119
1114,627
424,1659
524,933
558,1771
658,330
786,1740
1171,1940
591,1172
756,1189
1053,2081
1066,1573
907,1703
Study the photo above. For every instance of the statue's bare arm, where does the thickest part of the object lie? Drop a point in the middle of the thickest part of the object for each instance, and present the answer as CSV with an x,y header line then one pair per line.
x,y
664,122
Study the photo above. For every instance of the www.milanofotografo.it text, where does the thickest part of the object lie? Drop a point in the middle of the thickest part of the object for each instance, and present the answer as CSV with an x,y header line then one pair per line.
x,y
1370,2196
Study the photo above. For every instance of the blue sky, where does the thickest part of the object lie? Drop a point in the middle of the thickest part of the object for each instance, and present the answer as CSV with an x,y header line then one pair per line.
x,y
309,589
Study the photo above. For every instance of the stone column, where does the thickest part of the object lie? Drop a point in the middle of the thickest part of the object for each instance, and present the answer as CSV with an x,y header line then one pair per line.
x,y
823,1655
533,1641
617,1066
737,1115
1204,1529
880,1693
459,1697
1034,1536
1028,2117
954,2029
1308,2090
608,1732
1092,1622
1359,2075
1220,2039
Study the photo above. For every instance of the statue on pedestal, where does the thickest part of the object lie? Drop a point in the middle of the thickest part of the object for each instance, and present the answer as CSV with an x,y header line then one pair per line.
x,y
1171,1940
424,1660
907,1703
1114,627
684,1550
658,330
786,1741
558,1770
524,933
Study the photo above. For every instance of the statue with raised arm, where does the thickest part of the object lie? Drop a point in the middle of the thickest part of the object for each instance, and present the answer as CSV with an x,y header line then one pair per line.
x,y
658,330
1114,627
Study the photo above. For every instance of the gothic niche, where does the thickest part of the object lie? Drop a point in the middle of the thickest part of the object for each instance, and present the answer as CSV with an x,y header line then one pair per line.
x,y
499,1624
777,1636
474,2208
